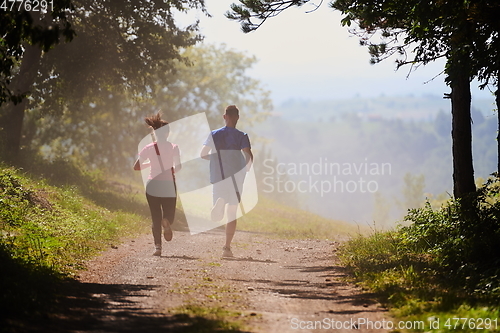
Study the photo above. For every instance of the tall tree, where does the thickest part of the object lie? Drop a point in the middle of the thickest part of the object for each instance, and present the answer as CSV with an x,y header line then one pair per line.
x,y
418,32
119,46
24,36
214,77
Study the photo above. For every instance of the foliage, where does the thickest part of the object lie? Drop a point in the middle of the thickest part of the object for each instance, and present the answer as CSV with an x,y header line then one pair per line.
x,y
21,27
120,48
418,32
486,14
413,191
215,77
408,146
126,45
411,133
463,242
431,31
260,10
52,227
53,216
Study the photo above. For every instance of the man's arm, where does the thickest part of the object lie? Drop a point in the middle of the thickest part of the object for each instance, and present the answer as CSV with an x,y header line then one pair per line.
x,y
248,157
177,160
205,152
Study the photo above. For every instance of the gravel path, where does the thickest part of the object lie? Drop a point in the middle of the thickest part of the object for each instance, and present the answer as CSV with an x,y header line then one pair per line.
x,y
273,285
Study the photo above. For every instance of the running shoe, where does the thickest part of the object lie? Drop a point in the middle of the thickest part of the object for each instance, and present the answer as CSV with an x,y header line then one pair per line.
x,y
218,210
226,252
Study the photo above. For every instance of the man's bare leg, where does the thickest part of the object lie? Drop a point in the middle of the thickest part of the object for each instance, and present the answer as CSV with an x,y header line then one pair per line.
x,y
230,226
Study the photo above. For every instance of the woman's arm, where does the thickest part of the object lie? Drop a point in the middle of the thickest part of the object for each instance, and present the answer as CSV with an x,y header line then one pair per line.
x,y
139,166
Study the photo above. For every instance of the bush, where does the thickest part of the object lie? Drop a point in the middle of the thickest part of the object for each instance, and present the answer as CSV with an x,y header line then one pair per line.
x,y
463,241
443,265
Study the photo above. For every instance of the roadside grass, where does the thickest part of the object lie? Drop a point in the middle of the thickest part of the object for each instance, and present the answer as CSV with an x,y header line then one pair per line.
x,y
48,231
201,319
210,306
415,288
441,270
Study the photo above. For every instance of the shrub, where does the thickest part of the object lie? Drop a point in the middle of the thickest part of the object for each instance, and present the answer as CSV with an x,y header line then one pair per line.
x,y
463,239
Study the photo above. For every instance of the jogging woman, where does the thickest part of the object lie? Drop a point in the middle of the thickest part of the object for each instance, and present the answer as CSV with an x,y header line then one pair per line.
x,y
163,159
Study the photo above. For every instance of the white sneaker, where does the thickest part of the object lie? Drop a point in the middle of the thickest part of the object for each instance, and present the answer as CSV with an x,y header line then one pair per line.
x,y
218,210
226,252
167,230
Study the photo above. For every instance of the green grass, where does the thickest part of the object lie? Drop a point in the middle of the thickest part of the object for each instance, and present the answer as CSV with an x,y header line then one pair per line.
x,y
417,287
200,319
54,217
48,231
281,221
210,306
57,227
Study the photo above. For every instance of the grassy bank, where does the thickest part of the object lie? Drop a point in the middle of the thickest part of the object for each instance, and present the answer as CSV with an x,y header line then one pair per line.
x,y
281,221
49,225
442,271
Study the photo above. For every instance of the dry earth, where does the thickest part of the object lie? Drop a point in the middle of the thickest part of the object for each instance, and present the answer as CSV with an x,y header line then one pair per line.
x,y
271,285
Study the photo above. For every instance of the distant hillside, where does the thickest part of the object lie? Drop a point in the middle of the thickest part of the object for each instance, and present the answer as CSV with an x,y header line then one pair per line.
x,y
368,159
402,107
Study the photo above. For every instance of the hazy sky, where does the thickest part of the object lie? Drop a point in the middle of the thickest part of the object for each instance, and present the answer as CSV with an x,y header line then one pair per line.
x,y
311,56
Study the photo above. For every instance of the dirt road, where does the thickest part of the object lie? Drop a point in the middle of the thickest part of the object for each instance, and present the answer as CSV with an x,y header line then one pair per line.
x,y
270,286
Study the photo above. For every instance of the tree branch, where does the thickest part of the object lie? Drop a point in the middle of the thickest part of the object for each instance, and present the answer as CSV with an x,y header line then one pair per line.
x,y
260,10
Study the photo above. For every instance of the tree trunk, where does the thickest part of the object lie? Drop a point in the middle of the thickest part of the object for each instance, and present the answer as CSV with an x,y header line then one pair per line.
x,y
12,119
461,132
497,100
459,77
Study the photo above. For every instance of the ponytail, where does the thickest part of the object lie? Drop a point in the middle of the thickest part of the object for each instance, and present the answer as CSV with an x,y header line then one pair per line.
x,y
155,121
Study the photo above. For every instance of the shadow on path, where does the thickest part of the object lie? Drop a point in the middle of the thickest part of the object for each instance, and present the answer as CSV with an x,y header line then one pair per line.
x,y
324,290
91,307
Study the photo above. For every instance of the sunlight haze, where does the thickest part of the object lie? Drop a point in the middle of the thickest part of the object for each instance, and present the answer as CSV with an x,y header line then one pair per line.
x,y
327,95
309,55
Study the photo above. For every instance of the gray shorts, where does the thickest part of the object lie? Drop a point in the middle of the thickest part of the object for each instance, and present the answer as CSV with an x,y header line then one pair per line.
x,y
230,189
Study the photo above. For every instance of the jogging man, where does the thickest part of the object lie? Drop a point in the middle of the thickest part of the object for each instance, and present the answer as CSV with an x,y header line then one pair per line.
x,y
229,152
